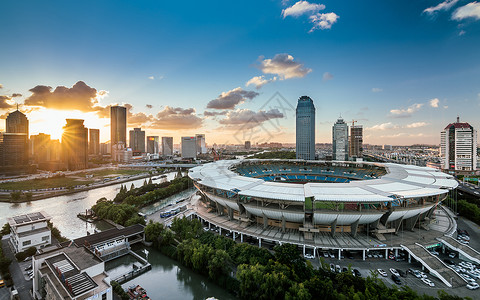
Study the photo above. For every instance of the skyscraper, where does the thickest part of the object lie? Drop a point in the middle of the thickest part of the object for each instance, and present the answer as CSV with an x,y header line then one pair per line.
x,y
458,148
75,145
340,140
16,122
137,141
118,125
356,142
201,146
189,147
248,145
167,145
152,144
94,141
305,128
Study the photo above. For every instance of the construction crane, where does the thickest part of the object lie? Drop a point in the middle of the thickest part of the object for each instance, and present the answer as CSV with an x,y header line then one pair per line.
x,y
353,123
215,155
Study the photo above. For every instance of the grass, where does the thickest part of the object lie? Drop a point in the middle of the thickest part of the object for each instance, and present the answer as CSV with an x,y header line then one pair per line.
x,y
76,179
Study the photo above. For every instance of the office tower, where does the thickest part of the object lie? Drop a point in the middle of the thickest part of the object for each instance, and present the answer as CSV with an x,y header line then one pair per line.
x,y
137,141
40,148
94,141
75,145
458,148
167,146
152,144
189,147
14,149
118,125
248,145
16,122
201,147
305,128
356,142
340,140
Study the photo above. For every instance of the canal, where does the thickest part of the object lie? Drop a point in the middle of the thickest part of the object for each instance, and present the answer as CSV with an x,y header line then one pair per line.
x,y
166,280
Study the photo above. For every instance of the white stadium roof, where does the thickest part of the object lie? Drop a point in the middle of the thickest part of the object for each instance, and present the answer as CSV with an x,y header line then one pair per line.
x,y
400,181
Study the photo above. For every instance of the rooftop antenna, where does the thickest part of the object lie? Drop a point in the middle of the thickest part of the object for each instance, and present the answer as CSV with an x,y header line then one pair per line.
x,y
458,119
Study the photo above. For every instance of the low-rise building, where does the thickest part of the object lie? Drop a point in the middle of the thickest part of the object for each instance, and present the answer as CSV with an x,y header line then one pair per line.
x,y
30,230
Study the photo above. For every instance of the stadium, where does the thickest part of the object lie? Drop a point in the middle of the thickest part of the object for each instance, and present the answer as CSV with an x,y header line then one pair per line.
x,y
318,197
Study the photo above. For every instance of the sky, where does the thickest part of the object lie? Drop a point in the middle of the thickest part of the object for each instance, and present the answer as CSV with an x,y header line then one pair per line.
x,y
235,70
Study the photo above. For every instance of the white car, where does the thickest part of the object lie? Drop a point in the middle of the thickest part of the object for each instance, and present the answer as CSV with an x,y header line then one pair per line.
x,y
472,286
310,256
452,255
382,272
394,272
423,274
332,268
428,282
417,274
325,254
434,252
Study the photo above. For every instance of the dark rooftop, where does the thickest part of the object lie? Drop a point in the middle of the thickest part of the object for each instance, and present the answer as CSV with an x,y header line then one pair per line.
x,y
109,234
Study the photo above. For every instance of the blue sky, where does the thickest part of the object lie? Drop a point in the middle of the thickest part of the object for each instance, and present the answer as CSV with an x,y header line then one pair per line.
x,y
403,69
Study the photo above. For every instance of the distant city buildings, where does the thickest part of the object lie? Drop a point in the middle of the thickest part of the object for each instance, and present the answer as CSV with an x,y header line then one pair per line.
x,y
201,146
75,145
14,143
248,145
94,141
16,122
458,148
29,230
137,141
167,146
189,147
356,142
340,140
305,129
152,145
45,152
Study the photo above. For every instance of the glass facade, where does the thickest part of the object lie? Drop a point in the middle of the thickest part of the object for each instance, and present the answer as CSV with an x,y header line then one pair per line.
x,y
305,129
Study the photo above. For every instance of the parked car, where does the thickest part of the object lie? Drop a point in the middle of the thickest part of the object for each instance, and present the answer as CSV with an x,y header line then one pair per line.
x,y
402,274
434,252
448,261
428,282
394,272
472,286
344,270
382,272
357,273
331,255
452,255
309,256
28,268
396,279
338,269
332,268
325,254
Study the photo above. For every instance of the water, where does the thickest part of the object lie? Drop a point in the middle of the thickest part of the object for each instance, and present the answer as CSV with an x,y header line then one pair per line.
x,y
64,209
166,279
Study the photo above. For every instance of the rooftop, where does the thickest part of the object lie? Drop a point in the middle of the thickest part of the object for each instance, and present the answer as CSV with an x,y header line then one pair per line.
x,y
109,234
28,218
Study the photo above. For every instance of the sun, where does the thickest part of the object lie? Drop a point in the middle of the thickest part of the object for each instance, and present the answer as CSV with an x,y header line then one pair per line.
x,y
51,121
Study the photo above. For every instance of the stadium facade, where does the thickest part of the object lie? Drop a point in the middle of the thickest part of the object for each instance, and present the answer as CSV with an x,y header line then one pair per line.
x,y
315,196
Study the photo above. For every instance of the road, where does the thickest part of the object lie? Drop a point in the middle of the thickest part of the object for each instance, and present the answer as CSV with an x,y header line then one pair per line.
x,y
22,284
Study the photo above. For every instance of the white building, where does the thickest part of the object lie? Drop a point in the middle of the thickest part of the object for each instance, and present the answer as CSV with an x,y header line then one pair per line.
x,y
167,146
189,147
340,140
70,272
458,148
30,230
201,146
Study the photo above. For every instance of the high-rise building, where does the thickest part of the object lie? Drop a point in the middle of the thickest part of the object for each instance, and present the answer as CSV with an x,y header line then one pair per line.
x,y
189,147
458,148
118,125
16,122
305,129
137,141
355,145
340,140
40,148
94,141
75,145
201,146
248,145
152,144
167,146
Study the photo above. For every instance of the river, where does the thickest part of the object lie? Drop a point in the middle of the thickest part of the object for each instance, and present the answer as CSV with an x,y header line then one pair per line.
x,y
166,280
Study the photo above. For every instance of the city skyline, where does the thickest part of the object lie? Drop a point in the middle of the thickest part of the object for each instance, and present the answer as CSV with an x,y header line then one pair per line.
x,y
404,72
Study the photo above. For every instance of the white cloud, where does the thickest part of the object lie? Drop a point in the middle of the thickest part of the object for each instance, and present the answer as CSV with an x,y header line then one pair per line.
x,y
302,7
228,100
405,113
445,5
376,90
434,102
471,10
383,126
403,134
462,32
151,77
259,81
327,76
284,66
416,125
323,21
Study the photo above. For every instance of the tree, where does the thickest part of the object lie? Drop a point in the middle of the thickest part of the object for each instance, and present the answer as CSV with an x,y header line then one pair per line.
x,y
28,196
153,231
219,264
15,196
5,229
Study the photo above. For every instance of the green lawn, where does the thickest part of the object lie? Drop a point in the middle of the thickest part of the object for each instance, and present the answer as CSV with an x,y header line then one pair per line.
x,y
43,183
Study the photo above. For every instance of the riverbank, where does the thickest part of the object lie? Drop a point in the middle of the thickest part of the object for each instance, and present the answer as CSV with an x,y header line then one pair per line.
x,y
56,193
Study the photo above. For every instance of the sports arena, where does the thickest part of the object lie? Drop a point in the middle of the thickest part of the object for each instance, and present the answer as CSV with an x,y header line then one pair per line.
x,y
313,197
